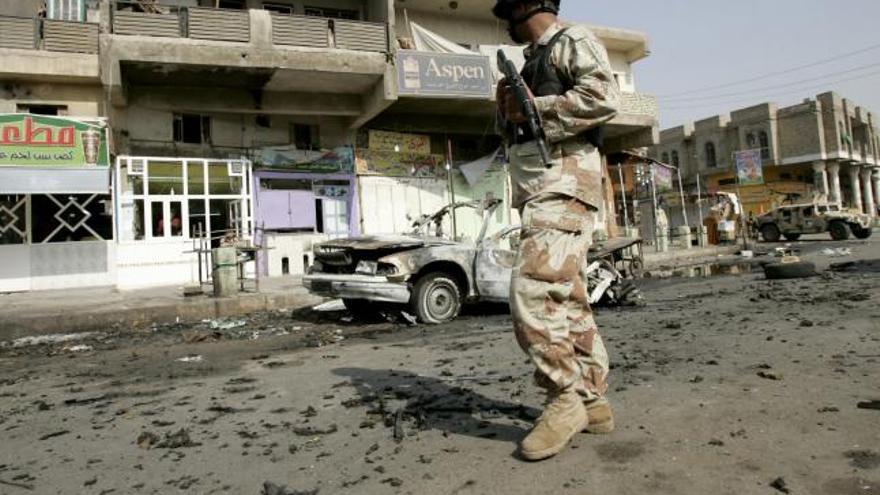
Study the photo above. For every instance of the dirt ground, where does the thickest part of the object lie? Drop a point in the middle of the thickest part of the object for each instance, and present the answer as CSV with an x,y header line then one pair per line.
x,y
724,385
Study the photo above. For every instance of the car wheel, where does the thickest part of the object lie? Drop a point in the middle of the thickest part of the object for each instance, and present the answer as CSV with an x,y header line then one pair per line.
x,y
770,232
792,237
782,271
839,231
436,298
861,233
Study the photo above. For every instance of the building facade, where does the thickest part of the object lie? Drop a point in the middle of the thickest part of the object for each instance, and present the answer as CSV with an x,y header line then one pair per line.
x,y
824,148
267,120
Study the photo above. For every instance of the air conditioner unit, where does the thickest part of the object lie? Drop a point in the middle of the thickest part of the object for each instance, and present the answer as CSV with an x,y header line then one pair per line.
x,y
136,166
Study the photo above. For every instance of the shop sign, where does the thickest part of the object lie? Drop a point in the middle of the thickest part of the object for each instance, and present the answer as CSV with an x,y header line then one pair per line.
x,y
42,141
443,74
749,168
662,178
329,191
338,160
391,164
419,144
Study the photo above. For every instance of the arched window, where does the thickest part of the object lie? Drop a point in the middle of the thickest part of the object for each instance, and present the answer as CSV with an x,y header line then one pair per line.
x,y
665,157
711,158
751,142
675,160
765,145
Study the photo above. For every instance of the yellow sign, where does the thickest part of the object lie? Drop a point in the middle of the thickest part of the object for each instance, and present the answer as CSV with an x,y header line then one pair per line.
x,y
390,164
414,144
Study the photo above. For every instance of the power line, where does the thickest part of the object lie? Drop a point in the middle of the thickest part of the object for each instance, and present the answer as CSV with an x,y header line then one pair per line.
x,y
770,95
777,86
775,73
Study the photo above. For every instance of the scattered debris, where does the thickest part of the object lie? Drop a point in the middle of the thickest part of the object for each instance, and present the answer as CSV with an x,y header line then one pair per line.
x,y
177,440
863,459
193,358
309,431
56,338
331,306
227,324
55,434
837,252
780,485
871,404
768,375
77,348
146,440
273,489
716,442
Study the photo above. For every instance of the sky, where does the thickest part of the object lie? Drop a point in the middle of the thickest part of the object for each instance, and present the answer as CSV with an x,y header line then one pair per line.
x,y
702,51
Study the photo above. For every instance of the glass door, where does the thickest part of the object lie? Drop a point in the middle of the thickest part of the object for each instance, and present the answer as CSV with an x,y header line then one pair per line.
x,y
166,218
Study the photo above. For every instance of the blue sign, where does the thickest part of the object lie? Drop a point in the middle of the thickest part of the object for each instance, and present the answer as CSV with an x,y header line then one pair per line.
x,y
443,74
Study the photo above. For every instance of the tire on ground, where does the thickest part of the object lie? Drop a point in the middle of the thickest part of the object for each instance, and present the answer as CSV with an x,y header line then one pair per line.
x,y
839,230
860,232
783,271
436,298
770,232
792,237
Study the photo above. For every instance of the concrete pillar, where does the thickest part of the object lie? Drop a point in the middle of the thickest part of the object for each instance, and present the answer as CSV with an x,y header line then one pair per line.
x,y
876,180
820,179
867,193
834,195
856,188
225,272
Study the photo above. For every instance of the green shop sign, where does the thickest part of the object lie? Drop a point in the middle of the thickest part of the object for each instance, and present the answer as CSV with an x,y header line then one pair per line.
x,y
41,141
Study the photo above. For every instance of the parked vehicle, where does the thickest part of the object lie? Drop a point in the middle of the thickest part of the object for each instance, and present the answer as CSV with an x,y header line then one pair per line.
x,y
434,275
792,221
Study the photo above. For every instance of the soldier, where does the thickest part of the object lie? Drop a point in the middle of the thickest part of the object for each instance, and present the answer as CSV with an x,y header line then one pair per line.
x,y
569,75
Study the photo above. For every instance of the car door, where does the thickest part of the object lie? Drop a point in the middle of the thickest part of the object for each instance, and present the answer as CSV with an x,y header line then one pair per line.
x,y
494,265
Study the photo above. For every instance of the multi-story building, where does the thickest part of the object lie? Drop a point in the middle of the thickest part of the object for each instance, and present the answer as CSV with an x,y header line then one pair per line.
x,y
281,120
825,147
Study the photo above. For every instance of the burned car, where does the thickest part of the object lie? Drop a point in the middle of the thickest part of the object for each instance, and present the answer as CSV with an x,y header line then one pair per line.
x,y
432,274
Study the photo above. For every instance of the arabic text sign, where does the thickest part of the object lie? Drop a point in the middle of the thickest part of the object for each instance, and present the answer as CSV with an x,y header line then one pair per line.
x,y
749,168
42,141
403,143
443,74
391,164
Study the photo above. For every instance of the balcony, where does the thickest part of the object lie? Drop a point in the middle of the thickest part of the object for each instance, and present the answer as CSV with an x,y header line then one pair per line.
x,y
636,124
48,50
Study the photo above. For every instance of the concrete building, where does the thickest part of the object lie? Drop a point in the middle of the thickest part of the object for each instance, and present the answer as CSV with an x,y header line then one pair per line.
x,y
825,147
277,121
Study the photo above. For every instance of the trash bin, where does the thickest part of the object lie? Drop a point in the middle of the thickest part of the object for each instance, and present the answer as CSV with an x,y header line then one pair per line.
x,y
224,271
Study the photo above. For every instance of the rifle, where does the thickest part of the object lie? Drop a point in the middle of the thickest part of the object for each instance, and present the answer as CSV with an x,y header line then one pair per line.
x,y
527,107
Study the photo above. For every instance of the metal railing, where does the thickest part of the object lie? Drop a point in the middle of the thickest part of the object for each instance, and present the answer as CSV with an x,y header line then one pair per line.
x,y
30,33
145,18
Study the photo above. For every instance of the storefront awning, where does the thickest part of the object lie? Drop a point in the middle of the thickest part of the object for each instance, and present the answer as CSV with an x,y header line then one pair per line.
x,y
20,180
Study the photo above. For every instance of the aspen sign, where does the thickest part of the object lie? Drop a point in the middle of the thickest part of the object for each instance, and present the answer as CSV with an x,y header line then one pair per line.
x,y
443,74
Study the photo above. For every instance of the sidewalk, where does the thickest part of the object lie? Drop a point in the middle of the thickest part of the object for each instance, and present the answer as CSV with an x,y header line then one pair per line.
x,y
79,310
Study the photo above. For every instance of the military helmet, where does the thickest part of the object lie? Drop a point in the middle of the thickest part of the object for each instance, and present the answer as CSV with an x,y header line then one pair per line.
x,y
504,8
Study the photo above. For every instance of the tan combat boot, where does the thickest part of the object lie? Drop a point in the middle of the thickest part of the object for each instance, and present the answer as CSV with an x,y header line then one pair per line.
x,y
564,416
601,417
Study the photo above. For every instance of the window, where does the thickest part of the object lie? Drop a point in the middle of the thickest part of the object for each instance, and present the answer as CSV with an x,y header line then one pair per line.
x,y
711,158
263,120
278,7
70,218
764,141
675,161
751,142
66,10
333,13
13,219
665,157
192,129
305,137
42,109
231,4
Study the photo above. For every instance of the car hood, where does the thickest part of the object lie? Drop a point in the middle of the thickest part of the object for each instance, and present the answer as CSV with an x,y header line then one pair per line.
x,y
374,242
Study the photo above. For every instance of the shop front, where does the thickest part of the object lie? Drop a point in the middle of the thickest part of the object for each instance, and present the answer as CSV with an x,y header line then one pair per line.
x,y
56,214
169,209
302,197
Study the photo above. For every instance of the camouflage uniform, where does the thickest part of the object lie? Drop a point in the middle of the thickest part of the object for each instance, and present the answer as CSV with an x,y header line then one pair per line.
x,y
559,208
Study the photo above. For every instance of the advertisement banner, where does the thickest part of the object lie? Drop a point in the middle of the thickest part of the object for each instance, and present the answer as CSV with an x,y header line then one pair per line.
x,y
44,141
749,168
443,74
419,144
338,160
662,179
391,164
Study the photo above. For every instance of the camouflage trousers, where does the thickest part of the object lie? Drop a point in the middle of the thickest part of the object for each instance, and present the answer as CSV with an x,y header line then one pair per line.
x,y
548,297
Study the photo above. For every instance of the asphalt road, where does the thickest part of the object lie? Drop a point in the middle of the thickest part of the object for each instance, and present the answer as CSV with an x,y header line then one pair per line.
x,y
721,385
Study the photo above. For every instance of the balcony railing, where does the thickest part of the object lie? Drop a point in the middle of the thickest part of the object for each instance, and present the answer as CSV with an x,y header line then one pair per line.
x,y
234,25
59,36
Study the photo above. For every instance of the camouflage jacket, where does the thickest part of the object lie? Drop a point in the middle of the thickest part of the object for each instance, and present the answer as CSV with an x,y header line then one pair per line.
x,y
581,59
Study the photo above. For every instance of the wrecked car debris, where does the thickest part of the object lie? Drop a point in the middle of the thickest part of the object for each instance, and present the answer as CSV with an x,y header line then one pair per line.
x,y
435,275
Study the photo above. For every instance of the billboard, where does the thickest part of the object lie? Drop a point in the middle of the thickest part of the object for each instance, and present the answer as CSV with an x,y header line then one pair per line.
x,y
52,142
749,168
